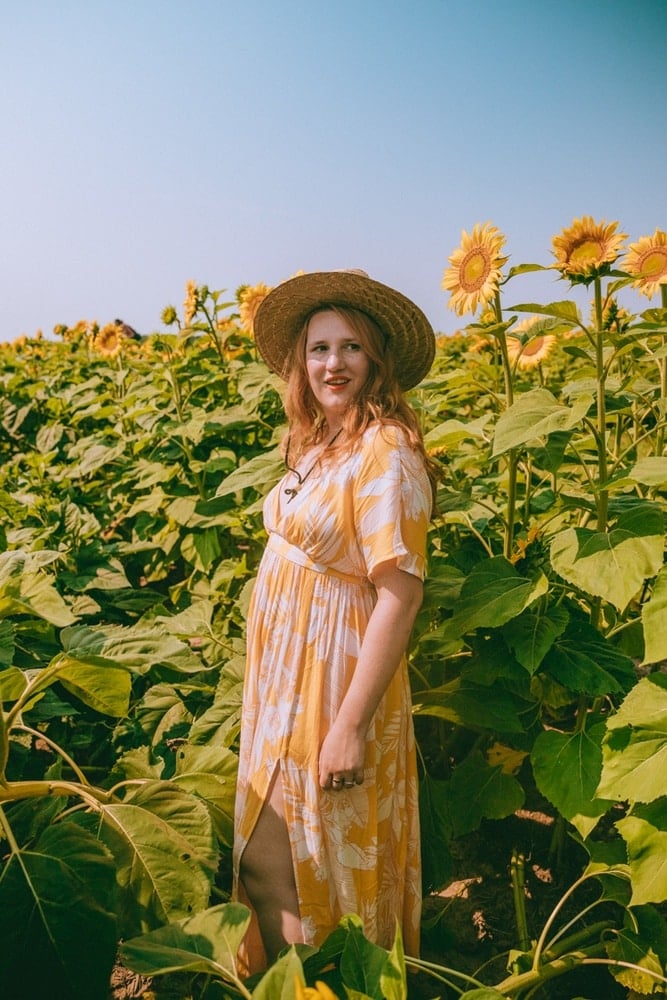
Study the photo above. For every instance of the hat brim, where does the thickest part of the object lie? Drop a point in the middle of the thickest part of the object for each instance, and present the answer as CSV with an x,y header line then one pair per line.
x,y
283,313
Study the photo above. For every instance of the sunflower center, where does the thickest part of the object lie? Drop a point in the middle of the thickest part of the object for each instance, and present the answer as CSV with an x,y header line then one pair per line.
x,y
533,346
653,263
475,269
587,250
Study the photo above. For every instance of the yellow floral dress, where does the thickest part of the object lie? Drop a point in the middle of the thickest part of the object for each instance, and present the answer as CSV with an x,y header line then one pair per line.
x,y
358,850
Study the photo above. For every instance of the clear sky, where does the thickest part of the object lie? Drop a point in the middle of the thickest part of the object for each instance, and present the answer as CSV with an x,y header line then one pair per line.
x,y
148,142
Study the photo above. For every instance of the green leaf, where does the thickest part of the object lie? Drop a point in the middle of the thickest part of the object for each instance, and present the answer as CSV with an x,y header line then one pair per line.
x,y
209,772
582,660
550,456
651,471
12,684
48,437
193,621
531,634
138,647
202,548
25,589
162,839
221,721
654,621
207,942
279,982
362,962
95,457
630,948
567,771
491,595
57,924
566,310
634,751
472,706
652,926
393,979
7,645
479,791
525,269
450,433
613,565
534,416
97,682
647,855
259,473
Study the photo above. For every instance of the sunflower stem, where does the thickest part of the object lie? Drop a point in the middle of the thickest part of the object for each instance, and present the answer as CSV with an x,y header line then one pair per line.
x,y
662,366
512,456
182,441
602,501
660,436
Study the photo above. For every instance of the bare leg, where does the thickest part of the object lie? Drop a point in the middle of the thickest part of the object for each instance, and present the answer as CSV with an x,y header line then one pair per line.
x,y
267,874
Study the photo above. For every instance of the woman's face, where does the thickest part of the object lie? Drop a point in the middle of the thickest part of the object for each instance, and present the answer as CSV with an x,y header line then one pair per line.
x,y
336,363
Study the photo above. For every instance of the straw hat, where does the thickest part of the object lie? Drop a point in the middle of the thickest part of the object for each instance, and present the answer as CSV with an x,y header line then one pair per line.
x,y
282,314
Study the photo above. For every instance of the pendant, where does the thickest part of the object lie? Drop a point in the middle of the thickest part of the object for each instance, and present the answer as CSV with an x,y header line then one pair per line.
x,y
290,493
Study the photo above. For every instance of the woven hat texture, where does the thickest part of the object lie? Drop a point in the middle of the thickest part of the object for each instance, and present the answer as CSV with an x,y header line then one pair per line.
x,y
282,314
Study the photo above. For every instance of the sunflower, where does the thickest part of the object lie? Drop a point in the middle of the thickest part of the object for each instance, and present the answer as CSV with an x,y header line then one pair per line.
x,y
169,315
83,330
191,302
475,274
108,340
646,260
531,349
250,297
587,249
320,991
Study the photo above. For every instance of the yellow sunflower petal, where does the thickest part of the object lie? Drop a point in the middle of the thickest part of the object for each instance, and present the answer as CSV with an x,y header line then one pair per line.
x,y
107,340
529,344
250,298
536,351
191,302
475,272
646,260
587,248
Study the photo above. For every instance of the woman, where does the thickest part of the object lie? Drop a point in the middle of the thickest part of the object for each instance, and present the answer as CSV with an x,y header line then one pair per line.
x,y
326,813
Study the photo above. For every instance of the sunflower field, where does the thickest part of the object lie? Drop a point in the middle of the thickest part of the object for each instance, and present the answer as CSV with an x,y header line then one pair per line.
x,y
132,475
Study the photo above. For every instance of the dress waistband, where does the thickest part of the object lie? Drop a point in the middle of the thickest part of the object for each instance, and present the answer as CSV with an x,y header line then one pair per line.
x,y
296,555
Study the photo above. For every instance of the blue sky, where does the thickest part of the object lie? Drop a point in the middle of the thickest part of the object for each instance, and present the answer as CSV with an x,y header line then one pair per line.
x,y
148,142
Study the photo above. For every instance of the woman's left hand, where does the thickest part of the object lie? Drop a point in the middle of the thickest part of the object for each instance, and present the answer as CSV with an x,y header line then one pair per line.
x,y
341,763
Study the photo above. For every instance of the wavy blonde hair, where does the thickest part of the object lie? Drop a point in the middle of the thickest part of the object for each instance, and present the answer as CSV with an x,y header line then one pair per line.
x,y
380,400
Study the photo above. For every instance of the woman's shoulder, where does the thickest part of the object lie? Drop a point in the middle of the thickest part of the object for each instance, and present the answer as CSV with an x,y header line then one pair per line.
x,y
386,436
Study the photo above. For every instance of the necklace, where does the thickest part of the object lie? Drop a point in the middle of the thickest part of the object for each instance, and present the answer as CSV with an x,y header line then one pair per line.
x,y
292,491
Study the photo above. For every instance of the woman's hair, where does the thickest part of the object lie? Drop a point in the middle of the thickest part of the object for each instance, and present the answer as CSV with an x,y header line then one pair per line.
x,y
380,400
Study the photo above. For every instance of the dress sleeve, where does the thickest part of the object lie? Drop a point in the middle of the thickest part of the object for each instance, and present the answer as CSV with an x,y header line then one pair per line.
x,y
392,502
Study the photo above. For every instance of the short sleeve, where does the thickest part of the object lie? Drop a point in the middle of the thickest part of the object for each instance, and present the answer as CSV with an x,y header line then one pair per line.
x,y
392,502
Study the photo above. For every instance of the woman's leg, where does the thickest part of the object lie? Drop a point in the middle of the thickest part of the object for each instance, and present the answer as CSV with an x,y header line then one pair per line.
x,y
267,874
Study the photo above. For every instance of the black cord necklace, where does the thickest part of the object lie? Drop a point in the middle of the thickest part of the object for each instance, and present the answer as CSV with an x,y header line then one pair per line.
x,y
291,491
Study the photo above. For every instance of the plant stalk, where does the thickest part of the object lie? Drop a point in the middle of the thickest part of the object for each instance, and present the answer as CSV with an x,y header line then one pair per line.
x,y
602,497
517,872
512,456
